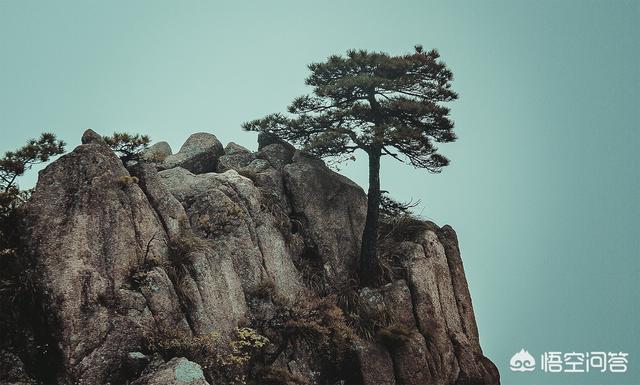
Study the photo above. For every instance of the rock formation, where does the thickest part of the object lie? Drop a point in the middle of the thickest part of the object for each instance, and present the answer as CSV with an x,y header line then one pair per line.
x,y
220,266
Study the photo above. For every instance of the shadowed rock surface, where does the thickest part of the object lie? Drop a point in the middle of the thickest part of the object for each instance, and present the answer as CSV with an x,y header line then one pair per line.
x,y
221,266
198,154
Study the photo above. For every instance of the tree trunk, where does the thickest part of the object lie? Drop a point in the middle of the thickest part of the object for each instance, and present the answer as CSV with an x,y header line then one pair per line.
x,y
369,248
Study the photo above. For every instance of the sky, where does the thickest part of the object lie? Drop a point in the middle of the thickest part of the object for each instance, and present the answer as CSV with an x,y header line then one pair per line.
x,y
544,184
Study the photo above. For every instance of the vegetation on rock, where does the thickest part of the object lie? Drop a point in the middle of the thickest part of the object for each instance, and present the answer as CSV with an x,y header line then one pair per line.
x,y
251,281
17,291
223,361
128,146
373,102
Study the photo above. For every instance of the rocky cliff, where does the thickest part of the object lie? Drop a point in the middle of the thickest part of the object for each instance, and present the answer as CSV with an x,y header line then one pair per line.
x,y
226,266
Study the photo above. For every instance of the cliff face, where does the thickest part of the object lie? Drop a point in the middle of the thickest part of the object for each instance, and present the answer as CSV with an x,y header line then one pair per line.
x,y
242,262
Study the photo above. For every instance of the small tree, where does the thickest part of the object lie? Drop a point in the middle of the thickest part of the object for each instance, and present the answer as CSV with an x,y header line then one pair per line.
x,y
15,297
128,146
13,165
383,105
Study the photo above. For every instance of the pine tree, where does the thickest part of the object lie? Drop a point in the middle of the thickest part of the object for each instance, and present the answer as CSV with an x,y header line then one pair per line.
x,y
128,146
383,105
13,165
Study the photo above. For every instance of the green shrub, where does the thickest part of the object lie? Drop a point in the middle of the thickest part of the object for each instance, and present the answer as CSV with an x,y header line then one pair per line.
x,y
223,361
317,323
128,146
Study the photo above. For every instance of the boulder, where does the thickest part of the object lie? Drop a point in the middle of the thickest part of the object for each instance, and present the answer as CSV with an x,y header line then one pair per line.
x,y
442,305
449,241
229,211
124,258
92,137
89,227
270,182
278,155
265,139
169,210
235,161
157,153
398,301
233,148
331,210
178,371
411,364
375,364
199,154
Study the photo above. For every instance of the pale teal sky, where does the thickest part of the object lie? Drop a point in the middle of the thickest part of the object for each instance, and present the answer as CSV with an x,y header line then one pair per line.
x,y
544,186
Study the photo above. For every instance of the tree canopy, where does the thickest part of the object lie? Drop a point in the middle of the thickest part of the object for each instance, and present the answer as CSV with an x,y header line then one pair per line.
x,y
128,146
374,102
15,163
381,104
